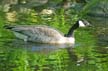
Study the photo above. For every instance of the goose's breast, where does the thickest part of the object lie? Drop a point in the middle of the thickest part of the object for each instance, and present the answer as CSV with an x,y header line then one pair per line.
x,y
70,40
63,40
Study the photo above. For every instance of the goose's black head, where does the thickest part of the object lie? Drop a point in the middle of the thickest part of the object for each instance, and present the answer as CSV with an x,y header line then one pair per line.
x,y
79,23
83,23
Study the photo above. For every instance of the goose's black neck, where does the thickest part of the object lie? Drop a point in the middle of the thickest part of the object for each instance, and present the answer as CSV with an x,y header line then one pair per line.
x,y
71,30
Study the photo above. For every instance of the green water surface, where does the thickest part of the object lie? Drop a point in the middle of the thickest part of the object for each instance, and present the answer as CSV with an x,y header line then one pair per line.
x,y
86,55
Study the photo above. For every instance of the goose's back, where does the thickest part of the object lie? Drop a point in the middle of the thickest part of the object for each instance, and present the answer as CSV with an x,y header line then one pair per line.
x,y
39,33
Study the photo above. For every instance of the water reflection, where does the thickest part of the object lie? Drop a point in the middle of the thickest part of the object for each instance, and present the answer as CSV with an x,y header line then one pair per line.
x,y
39,47
16,55
21,56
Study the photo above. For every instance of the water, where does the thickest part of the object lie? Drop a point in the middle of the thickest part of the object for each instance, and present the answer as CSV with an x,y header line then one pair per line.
x,y
88,54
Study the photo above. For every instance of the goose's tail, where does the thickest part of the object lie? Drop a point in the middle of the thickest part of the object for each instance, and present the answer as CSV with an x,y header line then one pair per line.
x,y
8,26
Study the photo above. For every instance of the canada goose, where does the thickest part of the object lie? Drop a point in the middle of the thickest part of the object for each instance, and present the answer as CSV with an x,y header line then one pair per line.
x,y
45,34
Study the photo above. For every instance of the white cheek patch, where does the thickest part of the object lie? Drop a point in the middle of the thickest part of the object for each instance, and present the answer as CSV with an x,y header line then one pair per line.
x,y
81,24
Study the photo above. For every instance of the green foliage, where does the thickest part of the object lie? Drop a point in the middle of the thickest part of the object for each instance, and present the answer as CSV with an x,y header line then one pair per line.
x,y
13,60
88,7
2,22
2,15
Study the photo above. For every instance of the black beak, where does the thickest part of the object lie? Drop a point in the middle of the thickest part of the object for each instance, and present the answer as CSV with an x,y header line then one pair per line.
x,y
90,25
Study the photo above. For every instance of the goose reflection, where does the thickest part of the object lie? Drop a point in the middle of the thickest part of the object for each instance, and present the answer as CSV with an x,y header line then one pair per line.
x,y
44,48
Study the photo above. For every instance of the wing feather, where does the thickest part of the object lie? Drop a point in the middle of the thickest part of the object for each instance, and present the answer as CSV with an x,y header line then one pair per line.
x,y
37,30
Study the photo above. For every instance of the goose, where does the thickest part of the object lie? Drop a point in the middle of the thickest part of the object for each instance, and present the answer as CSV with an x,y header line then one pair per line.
x,y
45,34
